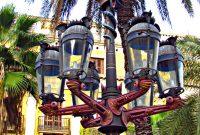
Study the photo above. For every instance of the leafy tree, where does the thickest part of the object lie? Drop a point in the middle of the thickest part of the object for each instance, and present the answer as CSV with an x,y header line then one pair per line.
x,y
17,60
186,121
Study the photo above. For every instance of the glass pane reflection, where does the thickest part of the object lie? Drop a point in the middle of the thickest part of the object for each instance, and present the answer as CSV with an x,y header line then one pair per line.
x,y
143,55
167,74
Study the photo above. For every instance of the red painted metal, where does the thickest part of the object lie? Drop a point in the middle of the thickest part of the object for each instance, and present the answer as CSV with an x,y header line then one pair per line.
x,y
172,103
116,103
91,122
115,107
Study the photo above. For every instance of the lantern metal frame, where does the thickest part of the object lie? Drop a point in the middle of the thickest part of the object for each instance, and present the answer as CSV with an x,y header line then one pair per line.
x,y
113,117
48,97
174,56
143,27
73,32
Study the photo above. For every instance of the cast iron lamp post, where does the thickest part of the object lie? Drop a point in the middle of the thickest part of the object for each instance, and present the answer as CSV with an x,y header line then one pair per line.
x,y
76,43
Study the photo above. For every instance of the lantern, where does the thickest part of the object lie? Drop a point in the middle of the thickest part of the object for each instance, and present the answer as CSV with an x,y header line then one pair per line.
x,y
76,46
91,85
47,70
142,46
170,69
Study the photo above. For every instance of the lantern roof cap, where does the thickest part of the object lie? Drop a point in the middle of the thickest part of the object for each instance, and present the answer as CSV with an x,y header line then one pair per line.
x,y
77,28
49,55
146,17
169,41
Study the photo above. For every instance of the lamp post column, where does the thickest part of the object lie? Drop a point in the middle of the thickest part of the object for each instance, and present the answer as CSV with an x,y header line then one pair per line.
x,y
110,35
116,126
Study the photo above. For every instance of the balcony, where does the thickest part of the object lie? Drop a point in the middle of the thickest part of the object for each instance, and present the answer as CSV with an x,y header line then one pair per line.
x,y
53,124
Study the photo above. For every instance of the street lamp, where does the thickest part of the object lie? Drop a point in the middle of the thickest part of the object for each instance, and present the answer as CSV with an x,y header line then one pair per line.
x,y
47,69
90,84
170,69
75,46
92,81
143,42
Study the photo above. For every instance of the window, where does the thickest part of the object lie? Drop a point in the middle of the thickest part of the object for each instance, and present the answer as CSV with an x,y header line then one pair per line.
x,y
99,63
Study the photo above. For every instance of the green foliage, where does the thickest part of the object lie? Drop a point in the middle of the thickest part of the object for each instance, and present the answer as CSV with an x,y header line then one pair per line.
x,y
18,58
90,131
130,128
190,47
181,121
6,17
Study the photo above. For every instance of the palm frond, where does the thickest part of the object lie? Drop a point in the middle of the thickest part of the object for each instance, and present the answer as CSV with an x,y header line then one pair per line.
x,y
139,6
163,10
97,14
68,5
15,82
192,72
190,47
181,121
5,52
29,40
7,16
188,6
197,116
46,8
24,23
32,86
29,1
90,7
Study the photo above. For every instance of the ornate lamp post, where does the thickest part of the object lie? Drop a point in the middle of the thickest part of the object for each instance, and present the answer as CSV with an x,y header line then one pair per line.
x,y
76,43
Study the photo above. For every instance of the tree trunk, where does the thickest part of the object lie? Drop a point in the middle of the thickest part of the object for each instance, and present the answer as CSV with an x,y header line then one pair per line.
x,y
143,127
1,98
124,14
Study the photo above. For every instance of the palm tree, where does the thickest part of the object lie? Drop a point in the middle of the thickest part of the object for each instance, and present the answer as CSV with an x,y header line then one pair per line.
x,y
186,121
17,59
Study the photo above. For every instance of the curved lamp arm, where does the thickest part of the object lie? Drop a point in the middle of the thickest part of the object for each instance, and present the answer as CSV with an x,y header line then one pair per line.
x,y
91,122
74,86
116,103
52,108
172,104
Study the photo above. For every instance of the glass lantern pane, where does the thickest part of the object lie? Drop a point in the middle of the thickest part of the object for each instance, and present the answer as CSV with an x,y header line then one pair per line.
x,y
73,55
142,101
39,82
142,54
52,83
88,51
167,74
181,74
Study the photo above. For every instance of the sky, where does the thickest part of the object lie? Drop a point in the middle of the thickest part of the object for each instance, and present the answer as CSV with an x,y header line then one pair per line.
x,y
182,23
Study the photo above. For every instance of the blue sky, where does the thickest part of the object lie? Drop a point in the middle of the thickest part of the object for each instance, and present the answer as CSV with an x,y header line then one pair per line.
x,y
182,23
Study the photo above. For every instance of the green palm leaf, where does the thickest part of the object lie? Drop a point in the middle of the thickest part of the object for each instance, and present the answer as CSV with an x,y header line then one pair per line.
x,y
180,122
27,40
15,82
24,23
7,16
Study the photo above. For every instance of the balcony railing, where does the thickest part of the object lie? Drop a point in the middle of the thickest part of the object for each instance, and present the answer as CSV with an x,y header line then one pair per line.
x,y
53,125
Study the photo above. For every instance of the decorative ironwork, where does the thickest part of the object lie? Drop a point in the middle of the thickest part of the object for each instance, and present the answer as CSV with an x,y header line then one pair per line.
x,y
113,117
